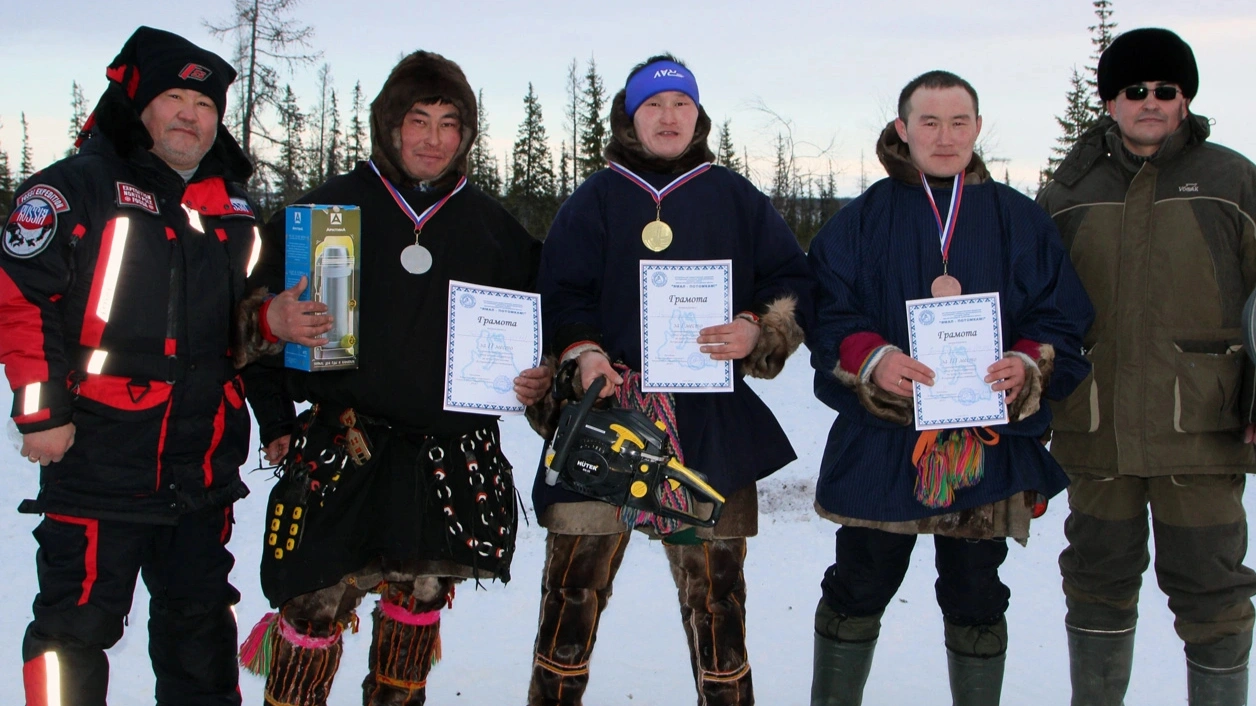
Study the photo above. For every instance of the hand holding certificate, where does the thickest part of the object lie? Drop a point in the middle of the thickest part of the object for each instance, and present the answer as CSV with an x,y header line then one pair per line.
x,y
959,338
493,335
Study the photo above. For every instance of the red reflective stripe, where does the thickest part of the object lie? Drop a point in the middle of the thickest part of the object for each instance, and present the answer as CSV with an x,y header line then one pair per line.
x,y
22,346
91,530
93,326
171,346
35,681
119,393
220,424
222,234
161,440
116,73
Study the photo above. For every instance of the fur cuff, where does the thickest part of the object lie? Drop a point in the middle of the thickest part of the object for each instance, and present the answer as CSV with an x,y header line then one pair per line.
x,y
1037,376
543,415
250,344
779,336
878,402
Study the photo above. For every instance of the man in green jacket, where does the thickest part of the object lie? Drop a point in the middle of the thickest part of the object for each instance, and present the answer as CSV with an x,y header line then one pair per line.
x,y
1159,223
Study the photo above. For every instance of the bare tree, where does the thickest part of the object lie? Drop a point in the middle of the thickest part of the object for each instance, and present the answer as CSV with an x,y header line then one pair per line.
x,y
267,39
322,119
571,121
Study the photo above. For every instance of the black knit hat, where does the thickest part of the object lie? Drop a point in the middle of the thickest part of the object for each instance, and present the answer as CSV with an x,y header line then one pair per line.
x,y
153,60
1148,54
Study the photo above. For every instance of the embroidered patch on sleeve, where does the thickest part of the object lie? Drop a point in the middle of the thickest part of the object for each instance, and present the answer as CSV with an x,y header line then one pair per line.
x,y
33,222
134,197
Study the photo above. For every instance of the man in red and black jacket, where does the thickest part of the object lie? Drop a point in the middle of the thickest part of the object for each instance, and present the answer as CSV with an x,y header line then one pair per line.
x,y
121,269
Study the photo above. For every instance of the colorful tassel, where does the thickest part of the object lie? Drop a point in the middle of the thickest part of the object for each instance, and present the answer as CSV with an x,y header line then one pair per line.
x,y
255,653
947,461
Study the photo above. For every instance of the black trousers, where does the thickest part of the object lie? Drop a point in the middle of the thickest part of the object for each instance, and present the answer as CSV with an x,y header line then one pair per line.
x,y
870,566
87,570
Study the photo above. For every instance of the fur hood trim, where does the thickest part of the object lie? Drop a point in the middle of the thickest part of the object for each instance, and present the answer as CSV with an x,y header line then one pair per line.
x,y
421,76
895,156
626,149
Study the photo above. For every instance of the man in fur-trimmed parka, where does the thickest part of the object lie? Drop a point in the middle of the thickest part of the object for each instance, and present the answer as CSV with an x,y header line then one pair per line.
x,y
589,276
1159,222
881,479
397,496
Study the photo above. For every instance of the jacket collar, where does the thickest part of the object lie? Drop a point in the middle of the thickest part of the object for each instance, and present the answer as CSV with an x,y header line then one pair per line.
x,y
1104,139
895,156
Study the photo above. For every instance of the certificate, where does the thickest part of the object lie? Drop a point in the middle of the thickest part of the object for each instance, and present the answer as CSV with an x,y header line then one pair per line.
x,y
678,299
958,338
492,335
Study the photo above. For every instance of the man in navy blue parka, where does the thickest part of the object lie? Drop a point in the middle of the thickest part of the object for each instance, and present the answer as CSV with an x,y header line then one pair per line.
x,y
882,250
589,283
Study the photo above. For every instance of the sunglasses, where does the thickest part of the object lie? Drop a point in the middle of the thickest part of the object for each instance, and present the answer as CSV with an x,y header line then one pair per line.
x,y
1162,93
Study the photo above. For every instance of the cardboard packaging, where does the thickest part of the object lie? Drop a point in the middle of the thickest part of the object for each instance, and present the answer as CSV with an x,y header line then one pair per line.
x,y
322,243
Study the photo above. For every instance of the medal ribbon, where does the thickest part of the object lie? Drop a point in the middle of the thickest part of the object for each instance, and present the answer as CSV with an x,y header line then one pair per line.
x,y
660,194
419,219
946,230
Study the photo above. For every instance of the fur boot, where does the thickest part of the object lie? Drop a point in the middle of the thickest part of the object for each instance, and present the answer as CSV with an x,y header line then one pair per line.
x,y
303,664
575,588
405,645
712,592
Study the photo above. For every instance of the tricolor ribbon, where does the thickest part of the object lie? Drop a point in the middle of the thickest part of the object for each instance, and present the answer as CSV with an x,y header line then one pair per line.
x,y
946,230
660,194
419,219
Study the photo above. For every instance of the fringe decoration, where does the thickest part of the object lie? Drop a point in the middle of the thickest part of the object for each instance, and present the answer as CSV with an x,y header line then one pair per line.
x,y
659,407
949,460
255,653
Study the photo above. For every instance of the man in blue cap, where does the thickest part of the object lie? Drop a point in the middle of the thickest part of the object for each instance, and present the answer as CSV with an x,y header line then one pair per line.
x,y
120,274
661,182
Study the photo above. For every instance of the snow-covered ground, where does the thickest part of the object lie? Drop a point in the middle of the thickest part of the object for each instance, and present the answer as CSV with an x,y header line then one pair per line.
x,y
641,658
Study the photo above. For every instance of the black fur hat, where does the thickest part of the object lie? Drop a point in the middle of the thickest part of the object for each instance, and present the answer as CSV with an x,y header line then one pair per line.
x,y
1148,54
422,77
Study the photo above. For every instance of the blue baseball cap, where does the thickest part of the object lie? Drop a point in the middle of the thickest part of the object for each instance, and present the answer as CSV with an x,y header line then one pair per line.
x,y
656,78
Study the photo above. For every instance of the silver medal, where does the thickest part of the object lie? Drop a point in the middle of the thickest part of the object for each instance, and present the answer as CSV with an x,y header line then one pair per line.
x,y
416,259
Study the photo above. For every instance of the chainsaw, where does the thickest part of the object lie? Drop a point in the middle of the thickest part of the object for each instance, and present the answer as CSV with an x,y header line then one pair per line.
x,y
619,456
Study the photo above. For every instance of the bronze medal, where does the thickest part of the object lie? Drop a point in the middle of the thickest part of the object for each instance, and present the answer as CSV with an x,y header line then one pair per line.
x,y
656,235
946,286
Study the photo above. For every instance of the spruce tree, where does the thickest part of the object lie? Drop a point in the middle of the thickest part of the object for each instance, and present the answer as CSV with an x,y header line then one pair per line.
x,y
1101,35
290,169
335,141
725,152
78,115
6,184
320,119
482,163
26,167
571,121
592,124
358,148
565,186
1076,120
530,194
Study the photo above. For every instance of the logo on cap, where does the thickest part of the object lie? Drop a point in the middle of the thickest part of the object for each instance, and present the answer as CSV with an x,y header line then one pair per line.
x,y
194,72
666,73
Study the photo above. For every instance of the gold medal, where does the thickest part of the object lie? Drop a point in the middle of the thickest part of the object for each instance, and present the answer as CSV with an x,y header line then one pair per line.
x,y
946,286
656,235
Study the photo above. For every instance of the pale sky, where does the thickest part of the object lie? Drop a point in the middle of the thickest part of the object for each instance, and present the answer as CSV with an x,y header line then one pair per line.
x,y
833,69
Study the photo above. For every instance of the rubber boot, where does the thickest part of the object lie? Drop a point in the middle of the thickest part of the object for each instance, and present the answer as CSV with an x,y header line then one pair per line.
x,y
1216,672
1099,664
842,657
712,592
975,655
1213,687
575,588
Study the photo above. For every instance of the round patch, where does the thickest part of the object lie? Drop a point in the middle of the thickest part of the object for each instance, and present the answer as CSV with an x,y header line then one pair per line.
x,y
503,384
30,228
659,279
697,361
